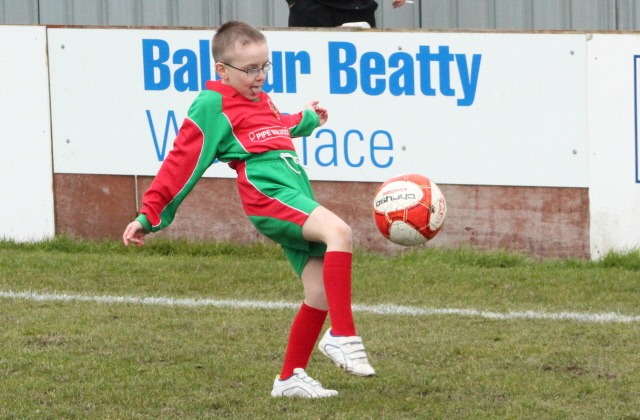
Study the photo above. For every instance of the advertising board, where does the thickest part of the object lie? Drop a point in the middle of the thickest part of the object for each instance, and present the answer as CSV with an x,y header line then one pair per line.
x,y
461,108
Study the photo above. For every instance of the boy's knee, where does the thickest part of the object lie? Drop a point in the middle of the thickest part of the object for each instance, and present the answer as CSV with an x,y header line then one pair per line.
x,y
344,234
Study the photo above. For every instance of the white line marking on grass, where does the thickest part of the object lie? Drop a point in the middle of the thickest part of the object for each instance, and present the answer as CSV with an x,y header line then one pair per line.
x,y
388,309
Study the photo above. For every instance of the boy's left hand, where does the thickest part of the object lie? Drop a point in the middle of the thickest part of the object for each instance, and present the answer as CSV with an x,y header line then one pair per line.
x,y
321,112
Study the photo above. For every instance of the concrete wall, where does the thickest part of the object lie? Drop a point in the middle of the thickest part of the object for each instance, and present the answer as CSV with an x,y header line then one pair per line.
x,y
539,221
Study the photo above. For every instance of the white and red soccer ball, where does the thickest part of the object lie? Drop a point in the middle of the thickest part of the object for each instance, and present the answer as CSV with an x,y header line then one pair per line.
x,y
409,209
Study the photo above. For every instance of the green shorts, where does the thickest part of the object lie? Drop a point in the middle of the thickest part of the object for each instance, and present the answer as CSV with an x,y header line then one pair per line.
x,y
276,195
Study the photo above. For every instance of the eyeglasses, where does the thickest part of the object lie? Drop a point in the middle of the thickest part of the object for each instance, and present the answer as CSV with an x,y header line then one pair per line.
x,y
253,72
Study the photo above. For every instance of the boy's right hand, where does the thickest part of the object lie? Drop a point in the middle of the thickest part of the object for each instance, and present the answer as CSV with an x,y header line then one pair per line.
x,y
322,113
134,234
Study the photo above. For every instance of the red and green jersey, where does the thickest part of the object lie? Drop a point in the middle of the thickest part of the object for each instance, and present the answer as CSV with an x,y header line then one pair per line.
x,y
220,124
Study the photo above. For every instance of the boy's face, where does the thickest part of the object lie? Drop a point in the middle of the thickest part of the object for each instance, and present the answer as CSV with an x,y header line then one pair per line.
x,y
242,58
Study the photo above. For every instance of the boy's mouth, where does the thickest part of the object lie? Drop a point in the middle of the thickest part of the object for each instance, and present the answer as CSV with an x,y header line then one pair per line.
x,y
256,89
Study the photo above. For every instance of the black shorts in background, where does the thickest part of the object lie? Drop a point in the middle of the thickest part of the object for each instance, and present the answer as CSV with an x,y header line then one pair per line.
x,y
313,13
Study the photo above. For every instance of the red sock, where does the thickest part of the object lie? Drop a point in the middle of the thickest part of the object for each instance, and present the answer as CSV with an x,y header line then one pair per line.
x,y
305,331
337,285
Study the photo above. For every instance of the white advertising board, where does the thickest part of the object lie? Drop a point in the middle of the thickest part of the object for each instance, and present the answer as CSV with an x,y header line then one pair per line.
x,y
461,108
26,179
614,115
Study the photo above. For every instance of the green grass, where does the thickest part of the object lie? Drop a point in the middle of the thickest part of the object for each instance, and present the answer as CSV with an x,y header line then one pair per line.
x,y
98,360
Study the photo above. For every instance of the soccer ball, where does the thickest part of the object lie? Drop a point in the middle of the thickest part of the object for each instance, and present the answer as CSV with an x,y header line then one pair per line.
x,y
409,209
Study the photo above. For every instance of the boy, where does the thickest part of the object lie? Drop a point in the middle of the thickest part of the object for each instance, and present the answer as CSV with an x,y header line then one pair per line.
x,y
234,121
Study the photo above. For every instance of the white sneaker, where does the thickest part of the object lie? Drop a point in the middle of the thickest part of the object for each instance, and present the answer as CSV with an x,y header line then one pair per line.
x,y
300,385
347,353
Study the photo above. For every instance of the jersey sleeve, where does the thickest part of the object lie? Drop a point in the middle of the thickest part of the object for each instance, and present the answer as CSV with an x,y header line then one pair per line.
x,y
194,150
303,123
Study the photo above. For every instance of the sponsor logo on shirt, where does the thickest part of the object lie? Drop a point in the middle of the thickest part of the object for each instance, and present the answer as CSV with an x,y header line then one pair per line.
x,y
268,133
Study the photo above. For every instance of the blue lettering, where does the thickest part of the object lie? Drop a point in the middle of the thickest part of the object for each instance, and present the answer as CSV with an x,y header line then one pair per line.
x,y
186,76
154,64
189,70
376,74
469,81
171,120
302,58
372,64
205,62
275,75
331,147
360,137
287,71
338,67
424,60
305,160
387,146
444,61
404,63
380,148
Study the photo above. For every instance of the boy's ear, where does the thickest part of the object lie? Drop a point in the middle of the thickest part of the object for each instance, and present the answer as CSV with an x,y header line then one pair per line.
x,y
221,70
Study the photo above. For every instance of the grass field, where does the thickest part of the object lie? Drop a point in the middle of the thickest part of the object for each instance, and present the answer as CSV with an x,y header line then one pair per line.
x,y
97,330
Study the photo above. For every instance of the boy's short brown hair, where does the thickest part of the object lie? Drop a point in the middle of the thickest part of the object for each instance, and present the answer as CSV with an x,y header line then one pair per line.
x,y
233,33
